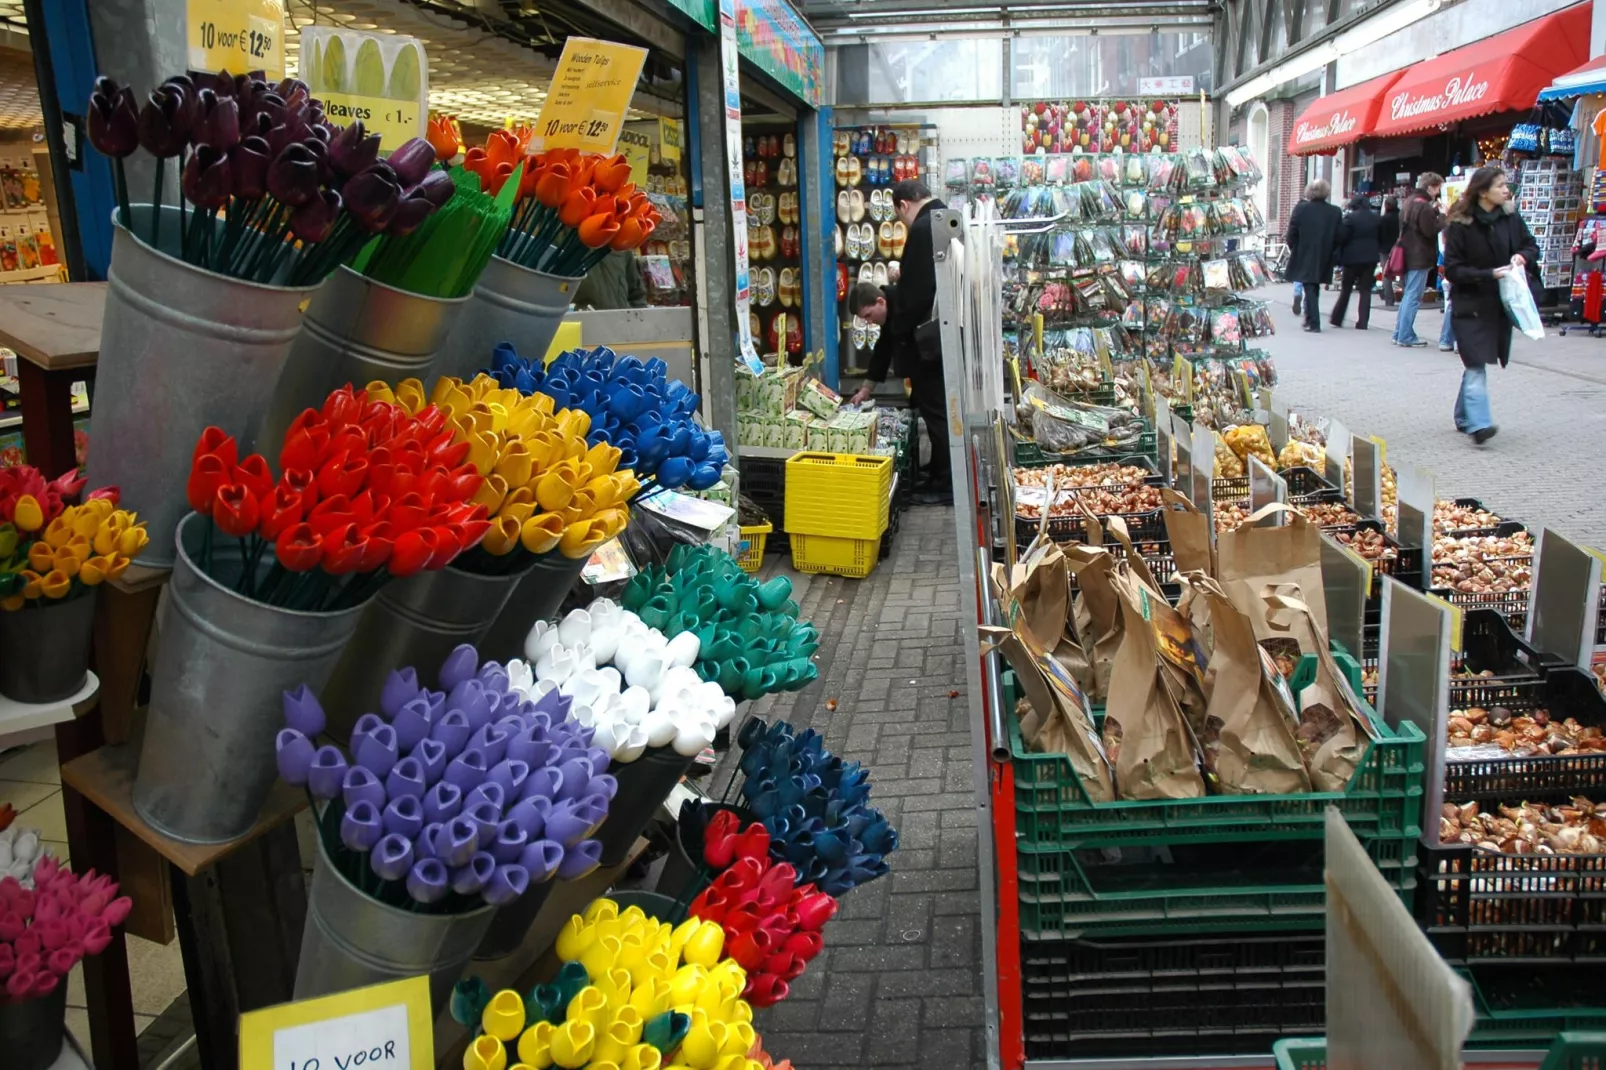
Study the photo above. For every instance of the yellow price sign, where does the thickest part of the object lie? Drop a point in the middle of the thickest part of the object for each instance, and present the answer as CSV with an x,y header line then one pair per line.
x,y
387,1025
396,121
1382,448
591,91
1455,620
236,36
1181,380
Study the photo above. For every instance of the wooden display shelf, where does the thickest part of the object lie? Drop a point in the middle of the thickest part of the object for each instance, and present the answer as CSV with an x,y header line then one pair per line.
x,y
55,329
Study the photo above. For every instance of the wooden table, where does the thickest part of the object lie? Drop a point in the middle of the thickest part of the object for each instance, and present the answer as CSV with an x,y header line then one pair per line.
x,y
55,330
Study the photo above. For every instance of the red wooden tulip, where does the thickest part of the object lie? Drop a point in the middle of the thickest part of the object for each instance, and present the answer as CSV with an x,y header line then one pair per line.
x,y
253,472
280,508
234,510
299,548
412,552
215,440
207,474
750,949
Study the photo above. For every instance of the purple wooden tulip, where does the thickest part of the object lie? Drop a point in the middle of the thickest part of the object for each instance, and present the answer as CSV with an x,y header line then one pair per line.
x,y
461,664
541,859
412,208
530,813
378,752
493,676
217,121
437,704
598,757
314,221
469,696
489,741
497,701
580,859
166,119
424,842
427,881
484,817
564,825
554,705
363,728
302,711
113,119
509,842
506,884
359,785
511,775
432,756
451,729
467,770
456,843
404,816
391,857
208,180
412,160
471,878
438,187
295,754
250,159
401,687
486,792
576,774
405,778
328,773
545,782
604,785
294,174
361,827
443,802
528,747
412,723
512,724
353,150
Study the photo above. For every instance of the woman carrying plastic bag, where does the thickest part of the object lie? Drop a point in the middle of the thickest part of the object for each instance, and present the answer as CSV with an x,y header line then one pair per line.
x,y
1488,253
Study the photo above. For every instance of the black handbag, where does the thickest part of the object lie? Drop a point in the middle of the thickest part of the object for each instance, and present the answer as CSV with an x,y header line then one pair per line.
x,y
928,342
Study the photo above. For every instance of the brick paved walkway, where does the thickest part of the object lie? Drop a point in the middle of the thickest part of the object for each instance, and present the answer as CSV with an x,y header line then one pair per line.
x,y
899,983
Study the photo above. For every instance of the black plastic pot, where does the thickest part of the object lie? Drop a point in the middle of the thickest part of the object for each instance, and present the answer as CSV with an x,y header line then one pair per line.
x,y
643,786
685,860
655,906
538,596
513,922
46,649
33,1031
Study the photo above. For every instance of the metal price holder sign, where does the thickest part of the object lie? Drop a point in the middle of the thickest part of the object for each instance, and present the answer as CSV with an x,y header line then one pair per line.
x,y
1277,424
1337,449
1163,454
1182,433
1347,583
1366,459
1204,469
1419,634
1414,497
1564,603
1265,488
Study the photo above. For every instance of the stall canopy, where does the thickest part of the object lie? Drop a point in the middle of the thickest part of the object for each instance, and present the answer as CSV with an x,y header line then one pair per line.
x,y
1340,118
1501,73
1579,82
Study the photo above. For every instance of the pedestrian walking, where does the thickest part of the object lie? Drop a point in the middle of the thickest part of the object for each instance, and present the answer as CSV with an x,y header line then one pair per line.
x,y
1312,237
1388,232
1357,257
1485,239
1447,328
1420,223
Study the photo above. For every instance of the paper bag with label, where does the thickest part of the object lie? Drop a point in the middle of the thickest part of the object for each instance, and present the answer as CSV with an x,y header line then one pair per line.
x,y
1189,532
1247,741
1333,734
1039,586
1252,561
1145,732
1096,614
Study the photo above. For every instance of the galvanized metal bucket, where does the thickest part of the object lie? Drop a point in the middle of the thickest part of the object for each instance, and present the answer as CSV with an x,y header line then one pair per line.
x,y
512,923
32,1030
417,622
644,784
222,664
46,649
181,348
538,596
356,331
510,304
352,940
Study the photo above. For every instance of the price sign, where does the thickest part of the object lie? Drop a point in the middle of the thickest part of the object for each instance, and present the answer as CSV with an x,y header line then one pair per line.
x,y
236,36
590,94
388,1027
381,79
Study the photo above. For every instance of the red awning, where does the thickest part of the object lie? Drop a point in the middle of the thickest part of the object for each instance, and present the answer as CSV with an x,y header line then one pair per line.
x,y
1501,73
1340,118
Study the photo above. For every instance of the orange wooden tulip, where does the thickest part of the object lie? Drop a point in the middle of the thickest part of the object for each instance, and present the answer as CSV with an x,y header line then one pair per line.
x,y
598,230
553,185
503,147
578,206
522,134
611,173
444,136
631,234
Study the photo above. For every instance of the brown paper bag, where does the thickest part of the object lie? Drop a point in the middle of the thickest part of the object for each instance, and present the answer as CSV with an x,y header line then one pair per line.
x,y
1253,562
1247,742
1333,734
1096,613
1189,532
1145,733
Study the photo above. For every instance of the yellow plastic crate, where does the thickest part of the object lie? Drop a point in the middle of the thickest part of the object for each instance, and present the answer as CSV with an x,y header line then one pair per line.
x,y
754,537
844,495
854,558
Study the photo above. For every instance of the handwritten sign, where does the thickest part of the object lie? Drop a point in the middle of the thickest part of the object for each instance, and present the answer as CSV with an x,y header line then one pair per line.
x,y
590,94
237,36
388,1027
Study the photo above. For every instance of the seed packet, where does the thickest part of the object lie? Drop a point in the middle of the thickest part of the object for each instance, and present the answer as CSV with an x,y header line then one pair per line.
x,y
1007,171
981,172
1224,329
954,174
1058,169
1217,276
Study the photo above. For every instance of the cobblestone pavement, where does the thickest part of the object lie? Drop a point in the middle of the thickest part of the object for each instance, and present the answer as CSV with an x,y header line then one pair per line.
x,y
1550,405
899,983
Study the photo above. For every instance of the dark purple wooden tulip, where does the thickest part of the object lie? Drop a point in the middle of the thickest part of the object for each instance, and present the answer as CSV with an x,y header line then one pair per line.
x,y
113,119
359,785
529,747
363,729
372,198
509,842
484,818
580,859
313,221
461,664
467,770
406,777
392,857
432,756
443,802
250,159
511,776
302,711
208,178
361,827
353,150
412,723
456,843
427,881
530,813
506,884
469,698
411,210
378,751
451,730
404,816
577,772
412,160
489,741
268,110
165,120
293,175
295,754
541,859
328,773
217,121
438,187
545,782
471,879
401,687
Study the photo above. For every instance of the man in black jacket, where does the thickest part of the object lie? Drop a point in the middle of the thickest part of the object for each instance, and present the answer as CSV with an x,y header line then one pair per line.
x,y
902,309
1357,255
1312,237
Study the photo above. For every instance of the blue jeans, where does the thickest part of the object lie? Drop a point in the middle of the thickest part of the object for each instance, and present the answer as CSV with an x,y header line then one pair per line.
x,y
1299,289
1410,301
1447,331
1472,403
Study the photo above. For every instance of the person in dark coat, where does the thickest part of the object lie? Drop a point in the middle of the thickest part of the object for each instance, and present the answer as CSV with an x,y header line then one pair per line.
x,y
1312,237
1357,255
1420,222
1484,239
1388,232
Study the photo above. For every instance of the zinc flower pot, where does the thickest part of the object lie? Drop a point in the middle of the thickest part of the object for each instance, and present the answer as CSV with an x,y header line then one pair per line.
x,y
685,859
538,596
181,349
32,1031
46,649
222,664
357,331
510,304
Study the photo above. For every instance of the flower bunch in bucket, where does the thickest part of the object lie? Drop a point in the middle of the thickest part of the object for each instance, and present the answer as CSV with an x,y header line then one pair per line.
x,y
544,486
450,799
296,195
52,550
447,254
368,491
444,136
49,921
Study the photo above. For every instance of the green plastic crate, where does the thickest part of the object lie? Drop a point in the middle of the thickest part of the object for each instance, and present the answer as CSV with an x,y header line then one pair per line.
x,y
1029,455
1536,1016
1571,1051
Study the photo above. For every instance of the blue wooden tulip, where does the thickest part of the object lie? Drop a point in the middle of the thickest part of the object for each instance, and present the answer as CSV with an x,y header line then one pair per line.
x,y
391,857
404,816
461,664
401,687
328,771
361,785
302,712
431,754
361,827
405,778
507,883
443,802
294,754
378,751
471,877
427,881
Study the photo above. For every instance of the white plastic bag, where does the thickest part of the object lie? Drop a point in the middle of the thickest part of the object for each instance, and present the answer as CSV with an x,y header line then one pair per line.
x,y
1519,302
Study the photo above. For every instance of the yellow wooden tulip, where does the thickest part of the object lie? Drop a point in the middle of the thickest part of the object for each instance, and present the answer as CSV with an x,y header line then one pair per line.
x,y
40,556
481,451
576,935
684,986
573,1043
651,997
700,1050
541,532
379,390
119,566
601,956
132,541
96,570
67,562
739,1040
642,1057
579,540
556,487
503,1017
603,458
486,1053
492,490
588,1005
58,531
518,511
87,522
704,945
14,602
101,508
515,464
574,423
604,491
535,1046
449,394
502,536
28,515
621,1034
55,584
410,395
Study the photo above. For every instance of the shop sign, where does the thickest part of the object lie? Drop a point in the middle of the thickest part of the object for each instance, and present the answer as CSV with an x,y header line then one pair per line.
x,y
1171,84
382,1027
669,140
378,78
636,145
774,37
1458,91
703,12
730,71
1338,125
236,35
591,91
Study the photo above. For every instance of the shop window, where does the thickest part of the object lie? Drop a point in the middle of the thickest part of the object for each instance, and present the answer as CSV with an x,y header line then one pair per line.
x,y
904,72
1110,65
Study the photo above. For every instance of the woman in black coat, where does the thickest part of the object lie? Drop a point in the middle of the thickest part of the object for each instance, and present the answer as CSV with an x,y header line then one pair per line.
x,y
1312,237
1388,232
1357,255
1484,239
